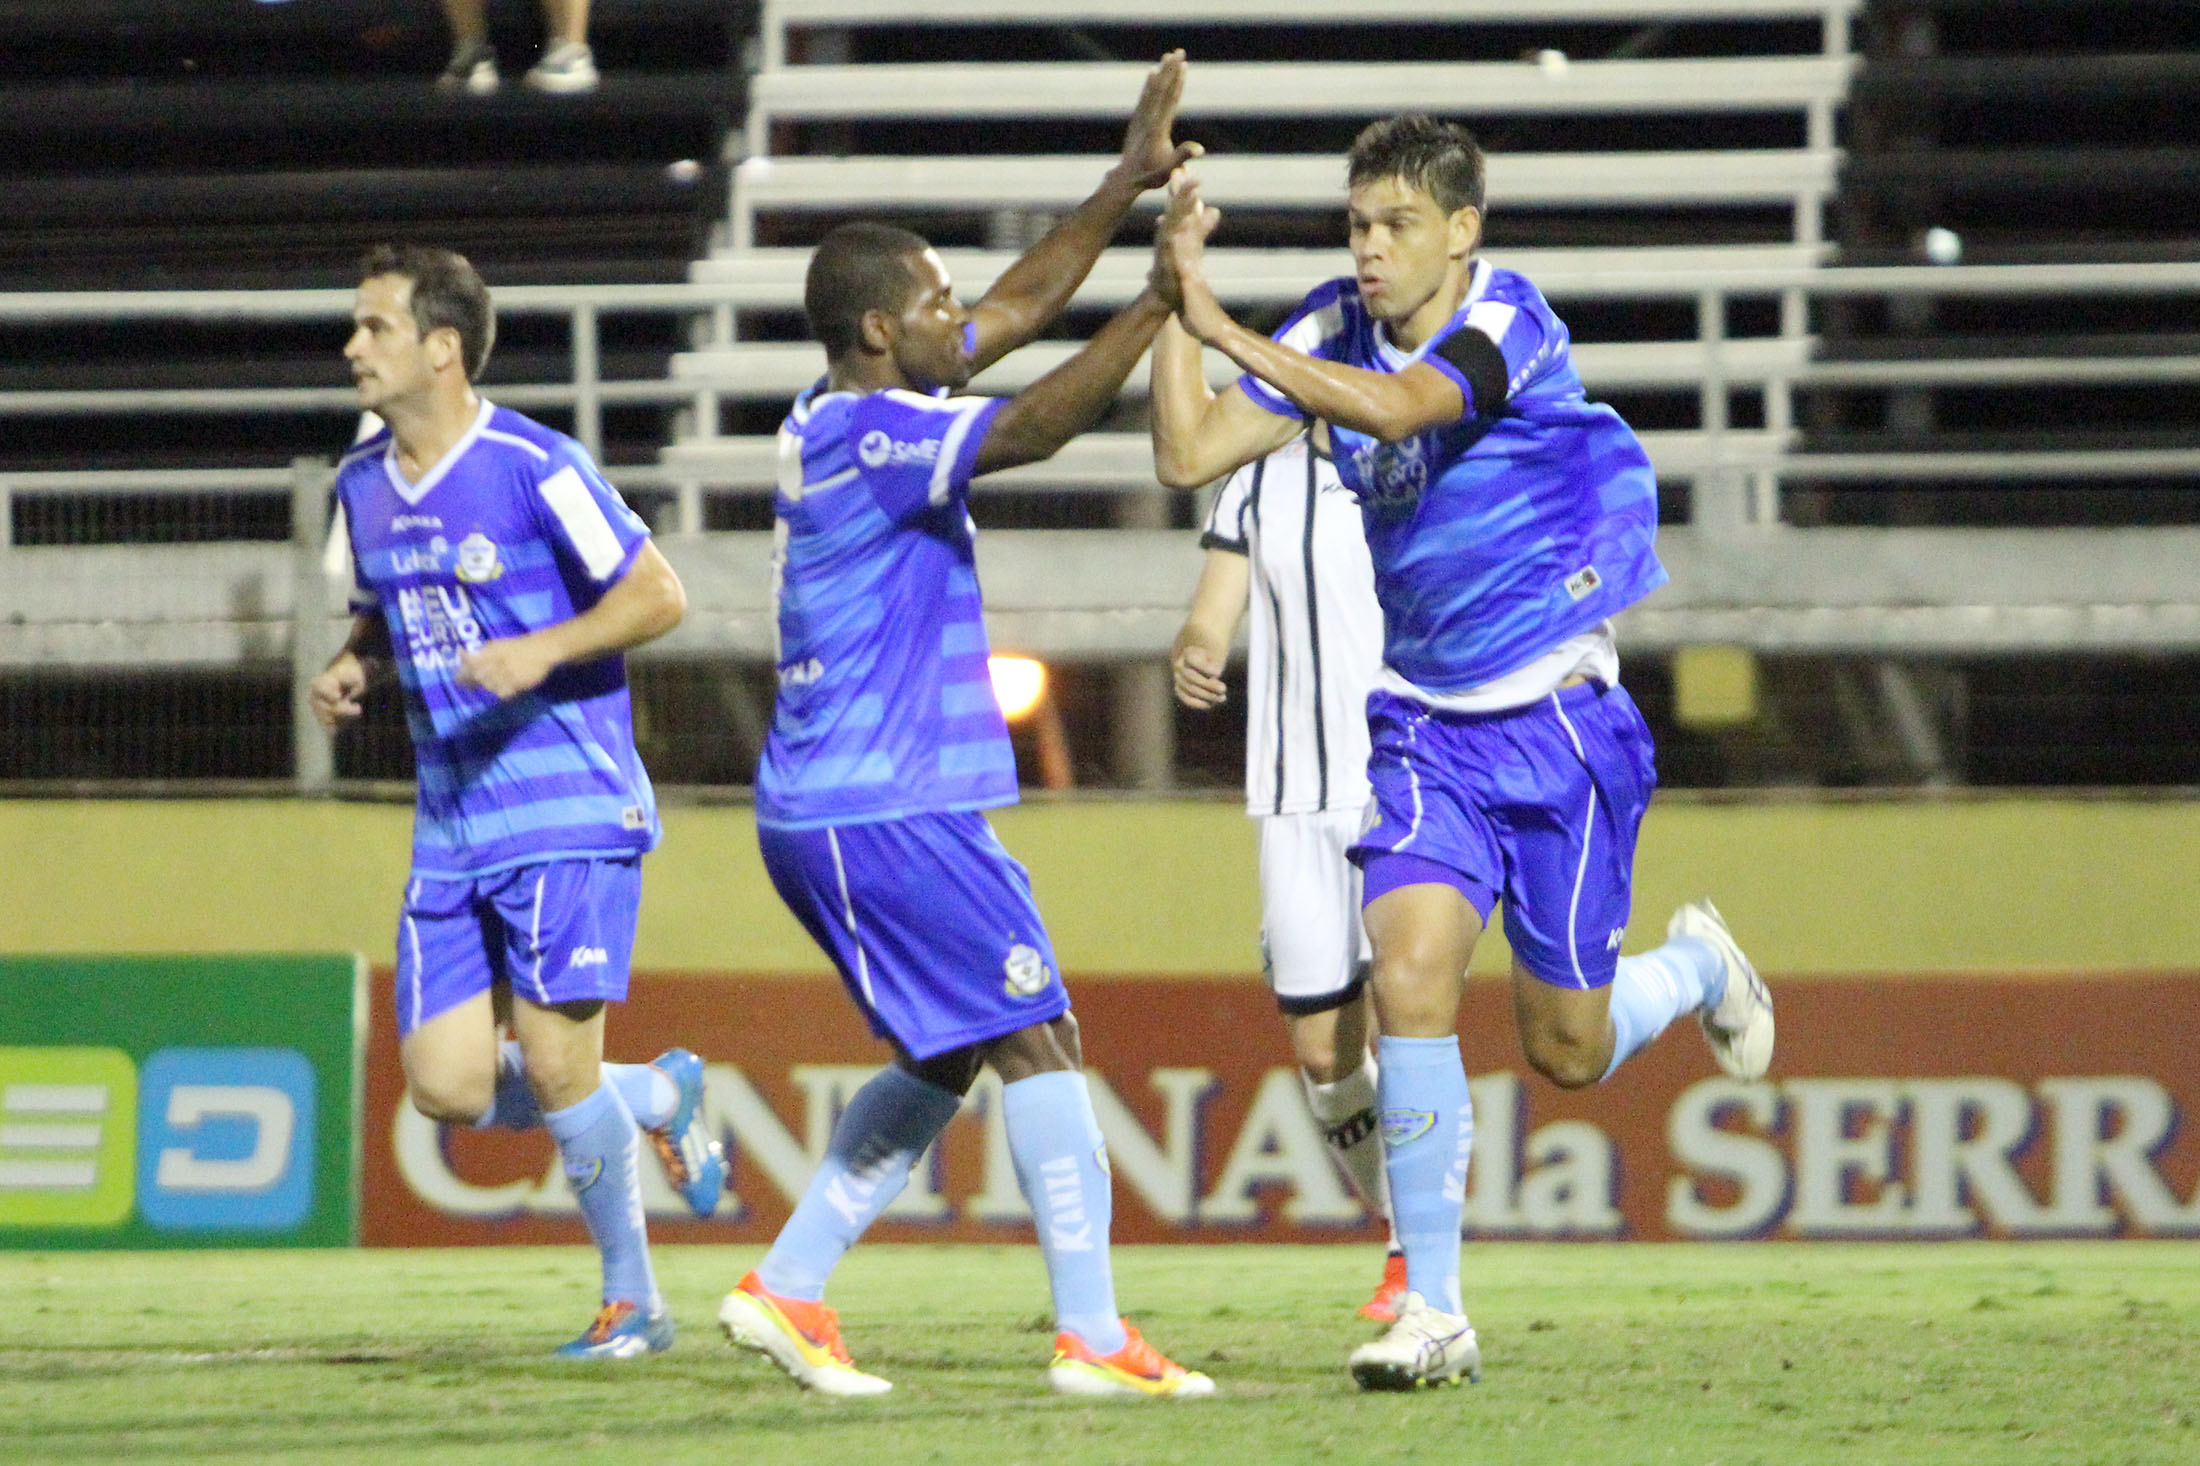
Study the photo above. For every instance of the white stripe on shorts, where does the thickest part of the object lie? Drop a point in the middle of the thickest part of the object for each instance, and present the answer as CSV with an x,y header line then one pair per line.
x,y
848,912
534,939
1581,871
412,933
1413,777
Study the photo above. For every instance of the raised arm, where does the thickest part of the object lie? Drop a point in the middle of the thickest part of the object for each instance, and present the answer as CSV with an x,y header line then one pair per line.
x,y
1034,290
1199,435
641,606
1202,646
1387,405
1066,401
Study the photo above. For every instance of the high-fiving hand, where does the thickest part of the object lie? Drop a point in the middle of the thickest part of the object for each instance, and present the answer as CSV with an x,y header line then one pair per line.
x,y
1180,251
1149,156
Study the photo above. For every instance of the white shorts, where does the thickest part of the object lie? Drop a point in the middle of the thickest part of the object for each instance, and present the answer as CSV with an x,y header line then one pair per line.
x,y
1313,947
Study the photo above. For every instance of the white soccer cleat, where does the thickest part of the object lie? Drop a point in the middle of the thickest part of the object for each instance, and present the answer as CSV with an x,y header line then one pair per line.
x,y
1424,1348
1739,1026
801,1338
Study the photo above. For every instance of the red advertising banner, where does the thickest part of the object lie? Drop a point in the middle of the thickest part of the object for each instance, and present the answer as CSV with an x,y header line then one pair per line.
x,y
1913,1108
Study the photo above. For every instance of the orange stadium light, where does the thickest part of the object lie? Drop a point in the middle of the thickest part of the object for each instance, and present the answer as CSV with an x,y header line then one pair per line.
x,y
1019,684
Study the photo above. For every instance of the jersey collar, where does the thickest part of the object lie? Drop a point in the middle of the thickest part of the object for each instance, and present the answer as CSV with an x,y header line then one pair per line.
x,y
414,493
1478,284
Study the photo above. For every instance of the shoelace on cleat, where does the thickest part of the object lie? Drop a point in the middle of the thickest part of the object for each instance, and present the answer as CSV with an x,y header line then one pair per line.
x,y
608,1319
668,1152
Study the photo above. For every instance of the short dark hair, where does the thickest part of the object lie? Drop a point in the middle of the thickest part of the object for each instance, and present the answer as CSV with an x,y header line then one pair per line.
x,y
857,267
446,291
1441,159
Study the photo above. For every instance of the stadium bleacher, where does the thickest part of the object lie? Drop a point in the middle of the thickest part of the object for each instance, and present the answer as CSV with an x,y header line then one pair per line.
x,y
1730,201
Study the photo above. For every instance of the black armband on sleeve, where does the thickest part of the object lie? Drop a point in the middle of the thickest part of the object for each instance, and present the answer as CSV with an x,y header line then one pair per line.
x,y
1478,360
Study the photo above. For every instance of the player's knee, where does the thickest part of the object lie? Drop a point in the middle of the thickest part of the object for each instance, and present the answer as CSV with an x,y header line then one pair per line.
x,y
450,1100
559,1080
1569,1058
1411,1001
1316,1053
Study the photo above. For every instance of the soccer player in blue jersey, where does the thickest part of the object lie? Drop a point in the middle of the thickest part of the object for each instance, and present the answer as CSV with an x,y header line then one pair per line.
x,y
500,577
1509,518
887,743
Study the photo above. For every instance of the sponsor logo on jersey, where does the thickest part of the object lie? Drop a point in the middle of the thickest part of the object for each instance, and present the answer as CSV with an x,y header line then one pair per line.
x,y
1583,581
414,560
877,448
414,521
477,559
801,674
440,626
1027,972
633,817
1403,1126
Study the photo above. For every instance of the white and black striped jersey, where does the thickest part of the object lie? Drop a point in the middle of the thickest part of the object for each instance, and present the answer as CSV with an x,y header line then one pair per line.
x,y
1315,630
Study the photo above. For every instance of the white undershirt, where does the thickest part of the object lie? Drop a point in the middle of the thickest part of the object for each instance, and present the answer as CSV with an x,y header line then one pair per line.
x,y
1593,655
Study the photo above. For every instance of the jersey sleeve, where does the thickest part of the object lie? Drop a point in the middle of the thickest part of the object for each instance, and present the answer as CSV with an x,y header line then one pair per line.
x,y
918,453
1225,525
1493,349
587,520
340,563
1315,328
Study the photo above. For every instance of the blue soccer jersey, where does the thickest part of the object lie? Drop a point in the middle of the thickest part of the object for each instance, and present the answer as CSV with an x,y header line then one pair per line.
x,y
886,704
1499,536
512,532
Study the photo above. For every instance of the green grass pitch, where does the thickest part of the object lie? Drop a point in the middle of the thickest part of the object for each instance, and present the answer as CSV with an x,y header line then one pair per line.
x,y
1942,1354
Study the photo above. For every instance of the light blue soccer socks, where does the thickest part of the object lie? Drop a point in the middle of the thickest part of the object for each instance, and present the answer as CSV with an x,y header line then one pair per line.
x,y
1650,991
1061,1164
649,1093
597,1143
885,1128
1428,1132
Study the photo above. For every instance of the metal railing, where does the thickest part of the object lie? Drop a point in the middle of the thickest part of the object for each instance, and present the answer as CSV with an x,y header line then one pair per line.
x,y
1740,488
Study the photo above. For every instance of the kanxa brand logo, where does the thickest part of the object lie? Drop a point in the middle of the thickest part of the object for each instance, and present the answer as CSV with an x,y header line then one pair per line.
x,y
588,957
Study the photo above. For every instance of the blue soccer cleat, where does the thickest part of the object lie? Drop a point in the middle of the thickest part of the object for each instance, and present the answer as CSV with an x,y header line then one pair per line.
x,y
694,1162
621,1330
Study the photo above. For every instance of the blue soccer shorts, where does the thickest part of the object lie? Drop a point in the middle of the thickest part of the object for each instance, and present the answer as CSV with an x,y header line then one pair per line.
x,y
930,922
559,932
1538,806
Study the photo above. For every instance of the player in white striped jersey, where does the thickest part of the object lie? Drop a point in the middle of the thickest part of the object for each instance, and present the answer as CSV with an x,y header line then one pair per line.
x,y
1284,539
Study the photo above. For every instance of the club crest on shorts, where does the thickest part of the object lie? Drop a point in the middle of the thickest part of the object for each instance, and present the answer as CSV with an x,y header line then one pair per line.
x,y
1402,1126
1027,972
477,559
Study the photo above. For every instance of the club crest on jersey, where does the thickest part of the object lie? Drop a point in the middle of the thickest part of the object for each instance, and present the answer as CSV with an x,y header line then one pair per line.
x,y
1395,474
1027,972
1403,1126
477,559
